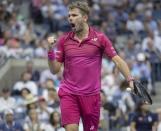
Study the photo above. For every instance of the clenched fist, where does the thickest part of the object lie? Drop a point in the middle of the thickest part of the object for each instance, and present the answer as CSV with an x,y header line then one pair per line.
x,y
51,42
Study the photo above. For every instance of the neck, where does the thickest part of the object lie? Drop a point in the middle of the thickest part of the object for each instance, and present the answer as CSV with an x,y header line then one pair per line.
x,y
83,33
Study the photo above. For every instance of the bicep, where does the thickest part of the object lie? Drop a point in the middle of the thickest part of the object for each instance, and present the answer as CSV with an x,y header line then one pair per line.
x,y
117,59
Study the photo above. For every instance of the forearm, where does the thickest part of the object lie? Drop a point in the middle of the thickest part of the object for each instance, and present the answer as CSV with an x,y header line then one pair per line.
x,y
122,66
53,56
54,66
53,63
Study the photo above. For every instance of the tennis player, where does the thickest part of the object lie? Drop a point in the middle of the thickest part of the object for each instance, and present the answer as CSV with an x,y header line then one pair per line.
x,y
80,52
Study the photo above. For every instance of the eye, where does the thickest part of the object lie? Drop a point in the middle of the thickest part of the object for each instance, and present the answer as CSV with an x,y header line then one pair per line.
x,y
74,15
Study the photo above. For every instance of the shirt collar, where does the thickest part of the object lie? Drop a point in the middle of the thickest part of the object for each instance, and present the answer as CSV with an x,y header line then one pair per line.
x,y
90,34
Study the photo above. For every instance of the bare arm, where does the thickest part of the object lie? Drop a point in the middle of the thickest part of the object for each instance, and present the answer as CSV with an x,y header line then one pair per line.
x,y
123,68
54,65
121,65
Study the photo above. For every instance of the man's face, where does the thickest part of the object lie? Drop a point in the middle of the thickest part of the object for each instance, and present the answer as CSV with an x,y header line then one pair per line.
x,y
76,19
9,117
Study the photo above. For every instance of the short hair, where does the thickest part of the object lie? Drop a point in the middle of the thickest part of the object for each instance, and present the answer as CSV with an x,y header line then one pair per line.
x,y
81,5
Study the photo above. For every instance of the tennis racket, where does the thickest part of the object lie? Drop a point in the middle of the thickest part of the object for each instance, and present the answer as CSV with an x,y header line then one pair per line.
x,y
142,93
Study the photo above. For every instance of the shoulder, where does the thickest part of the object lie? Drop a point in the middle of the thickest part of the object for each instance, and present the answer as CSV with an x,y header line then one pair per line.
x,y
102,37
65,36
97,33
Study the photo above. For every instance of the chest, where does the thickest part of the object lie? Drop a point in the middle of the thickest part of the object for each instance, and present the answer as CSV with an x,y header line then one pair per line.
x,y
85,48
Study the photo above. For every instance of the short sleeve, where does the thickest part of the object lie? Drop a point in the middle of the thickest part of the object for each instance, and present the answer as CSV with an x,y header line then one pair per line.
x,y
108,48
60,47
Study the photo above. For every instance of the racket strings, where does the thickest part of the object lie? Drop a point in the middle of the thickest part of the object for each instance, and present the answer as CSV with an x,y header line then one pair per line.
x,y
140,91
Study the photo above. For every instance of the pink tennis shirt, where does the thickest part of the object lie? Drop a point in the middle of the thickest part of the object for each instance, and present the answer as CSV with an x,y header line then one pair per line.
x,y
82,62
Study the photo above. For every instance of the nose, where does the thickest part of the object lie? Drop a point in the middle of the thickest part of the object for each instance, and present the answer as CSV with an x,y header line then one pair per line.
x,y
70,19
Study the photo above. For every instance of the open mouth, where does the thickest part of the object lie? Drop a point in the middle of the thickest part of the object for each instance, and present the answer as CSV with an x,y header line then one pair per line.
x,y
72,25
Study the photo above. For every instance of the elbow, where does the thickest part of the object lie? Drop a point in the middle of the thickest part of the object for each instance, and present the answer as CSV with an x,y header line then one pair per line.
x,y
54,67
120,64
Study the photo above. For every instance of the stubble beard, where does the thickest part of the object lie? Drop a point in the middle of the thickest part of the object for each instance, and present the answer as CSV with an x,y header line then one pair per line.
x,y
80,30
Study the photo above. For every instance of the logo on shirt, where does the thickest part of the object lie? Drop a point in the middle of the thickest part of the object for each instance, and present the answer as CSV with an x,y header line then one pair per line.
x,y
91,128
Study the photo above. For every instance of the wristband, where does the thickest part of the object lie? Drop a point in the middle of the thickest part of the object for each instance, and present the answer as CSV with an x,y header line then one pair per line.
x,y
51,55
130,78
